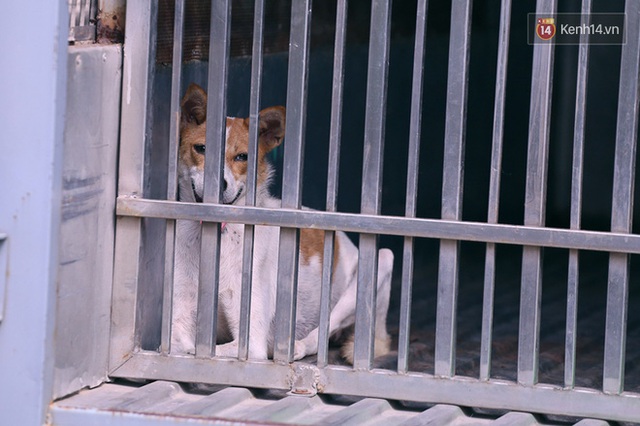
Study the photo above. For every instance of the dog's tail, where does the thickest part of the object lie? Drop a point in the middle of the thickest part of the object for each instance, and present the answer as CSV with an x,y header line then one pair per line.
x,y
381,346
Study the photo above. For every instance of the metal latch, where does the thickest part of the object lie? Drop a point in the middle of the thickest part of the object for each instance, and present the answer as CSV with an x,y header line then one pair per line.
x,y
304,380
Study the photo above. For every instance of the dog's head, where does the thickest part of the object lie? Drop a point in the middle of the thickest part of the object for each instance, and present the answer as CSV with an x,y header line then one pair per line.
x,y
192,148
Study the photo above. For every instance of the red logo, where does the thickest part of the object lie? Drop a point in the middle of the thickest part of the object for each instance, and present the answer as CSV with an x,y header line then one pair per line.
x,y
546,28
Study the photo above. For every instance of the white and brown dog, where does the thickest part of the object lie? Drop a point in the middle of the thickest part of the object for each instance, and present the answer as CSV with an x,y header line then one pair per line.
x,y
266,240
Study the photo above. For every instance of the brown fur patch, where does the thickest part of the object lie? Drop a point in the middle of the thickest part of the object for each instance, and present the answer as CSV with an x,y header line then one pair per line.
x,y
191,136
312,244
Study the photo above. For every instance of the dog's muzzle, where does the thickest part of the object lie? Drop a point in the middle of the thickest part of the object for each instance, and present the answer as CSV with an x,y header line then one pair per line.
x,y
199,198
236,197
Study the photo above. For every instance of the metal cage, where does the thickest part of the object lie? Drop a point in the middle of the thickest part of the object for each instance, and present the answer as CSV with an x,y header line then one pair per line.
x,y
146,225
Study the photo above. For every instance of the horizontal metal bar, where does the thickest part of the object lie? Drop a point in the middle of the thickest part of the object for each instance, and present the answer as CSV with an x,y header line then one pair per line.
x,y
496,394
222,371
384,225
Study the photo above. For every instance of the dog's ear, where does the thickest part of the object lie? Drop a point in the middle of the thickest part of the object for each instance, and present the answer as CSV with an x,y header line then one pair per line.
x,y
194,106
272,126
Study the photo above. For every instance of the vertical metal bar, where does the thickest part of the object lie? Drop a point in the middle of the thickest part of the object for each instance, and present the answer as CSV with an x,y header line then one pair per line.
x,y
622,206
494,188
254,121
214,164
332,178
576,201
452,180
172,172
535,200
137,83
292,178
412,182
372,179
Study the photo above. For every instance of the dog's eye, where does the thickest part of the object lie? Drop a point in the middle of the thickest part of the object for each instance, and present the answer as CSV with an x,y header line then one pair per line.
x,y
241,157
199,148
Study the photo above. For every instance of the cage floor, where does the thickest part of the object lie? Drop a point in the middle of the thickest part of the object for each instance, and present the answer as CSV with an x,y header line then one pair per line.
x,y
591,319
168,403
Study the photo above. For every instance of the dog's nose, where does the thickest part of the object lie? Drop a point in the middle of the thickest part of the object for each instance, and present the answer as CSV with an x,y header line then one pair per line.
x,y
224,185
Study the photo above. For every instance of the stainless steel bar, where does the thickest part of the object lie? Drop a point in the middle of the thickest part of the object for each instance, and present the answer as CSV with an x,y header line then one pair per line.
x,y
576,201
452,182
332,177
497,394
214,168
494,187
535,200
172,175
138,70
386,225
622,205
376,99
254,125
292,178
412,182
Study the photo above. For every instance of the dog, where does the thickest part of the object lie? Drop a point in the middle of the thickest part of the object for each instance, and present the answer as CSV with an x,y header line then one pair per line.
x,y
192,153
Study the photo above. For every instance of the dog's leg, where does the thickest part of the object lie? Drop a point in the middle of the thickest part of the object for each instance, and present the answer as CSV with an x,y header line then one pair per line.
x,y
183,334
259,327
382,340
385,272
343,314
183,323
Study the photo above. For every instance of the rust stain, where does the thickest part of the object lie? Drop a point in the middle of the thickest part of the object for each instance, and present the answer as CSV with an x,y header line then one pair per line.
x,y
110,26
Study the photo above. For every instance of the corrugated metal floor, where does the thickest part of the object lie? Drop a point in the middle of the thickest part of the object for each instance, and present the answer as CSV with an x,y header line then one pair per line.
x,y
169,403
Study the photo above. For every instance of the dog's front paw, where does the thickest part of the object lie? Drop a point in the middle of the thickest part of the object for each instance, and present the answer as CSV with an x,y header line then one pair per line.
x,y
182,346
228,349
